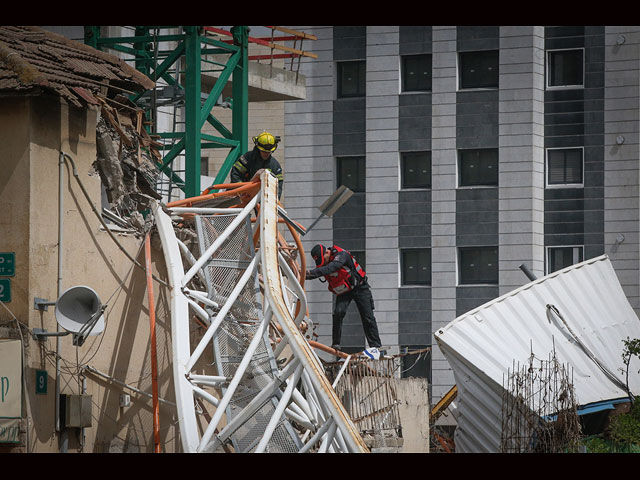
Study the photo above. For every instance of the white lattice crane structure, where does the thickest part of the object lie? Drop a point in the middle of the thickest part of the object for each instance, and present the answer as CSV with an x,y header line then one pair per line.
x,y
246,379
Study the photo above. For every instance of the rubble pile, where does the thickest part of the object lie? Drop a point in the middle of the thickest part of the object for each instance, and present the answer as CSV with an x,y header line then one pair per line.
x,y
126,161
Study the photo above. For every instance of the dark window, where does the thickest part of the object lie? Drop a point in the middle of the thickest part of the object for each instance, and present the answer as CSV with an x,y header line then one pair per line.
x,y
351,79
351,173
361,258
565,68
416,73
564,166
478,69
416,266
478,265
478,167
416,365
204,166
416,169
561,257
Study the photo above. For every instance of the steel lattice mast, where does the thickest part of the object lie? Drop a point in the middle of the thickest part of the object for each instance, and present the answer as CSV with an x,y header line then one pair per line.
x,y
177,60
265,395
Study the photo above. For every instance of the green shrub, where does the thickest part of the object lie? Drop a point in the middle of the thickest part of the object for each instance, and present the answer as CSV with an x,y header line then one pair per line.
x,y
597,445
625,428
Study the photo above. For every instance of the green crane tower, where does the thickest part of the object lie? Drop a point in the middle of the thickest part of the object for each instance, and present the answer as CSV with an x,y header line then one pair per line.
x,y
185,60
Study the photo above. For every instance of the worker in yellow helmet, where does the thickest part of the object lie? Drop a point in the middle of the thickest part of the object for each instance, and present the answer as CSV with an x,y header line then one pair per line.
x,y
260,158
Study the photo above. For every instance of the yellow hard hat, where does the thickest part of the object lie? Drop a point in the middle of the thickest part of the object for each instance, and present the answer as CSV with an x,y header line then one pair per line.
x,y
266,142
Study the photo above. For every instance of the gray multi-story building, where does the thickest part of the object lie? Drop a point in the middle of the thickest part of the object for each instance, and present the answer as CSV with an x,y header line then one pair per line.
x,y
471,150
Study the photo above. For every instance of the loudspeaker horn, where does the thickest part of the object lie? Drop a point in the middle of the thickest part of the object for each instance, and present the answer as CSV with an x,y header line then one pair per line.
x,y
80,311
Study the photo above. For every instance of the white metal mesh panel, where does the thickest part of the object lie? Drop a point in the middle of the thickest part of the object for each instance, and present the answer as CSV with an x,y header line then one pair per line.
x,y
222,273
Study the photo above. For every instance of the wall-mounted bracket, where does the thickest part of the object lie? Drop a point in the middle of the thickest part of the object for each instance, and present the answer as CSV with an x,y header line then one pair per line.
x,y
41,304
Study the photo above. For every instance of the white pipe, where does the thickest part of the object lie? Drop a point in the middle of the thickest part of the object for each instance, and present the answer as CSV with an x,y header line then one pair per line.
x,y
206,395
199,311
180,338
62,442
257,402
233,385
303,404
313,440
206,338
204,210
275,417
191,259
303,421
208,379
328,438
201,297
346,362
301,296
297,288
218,241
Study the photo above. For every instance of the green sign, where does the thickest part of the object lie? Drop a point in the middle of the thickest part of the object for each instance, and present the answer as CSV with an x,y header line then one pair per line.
x,y
7,264
41,382
5,290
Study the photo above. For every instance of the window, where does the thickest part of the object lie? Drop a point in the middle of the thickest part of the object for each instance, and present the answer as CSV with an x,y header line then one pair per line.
x,y
416,73
204,166
478,167
564,166
416,364
415,266
565,68
478,265
562,257
351,79
351,173
415,169
478,69
361,258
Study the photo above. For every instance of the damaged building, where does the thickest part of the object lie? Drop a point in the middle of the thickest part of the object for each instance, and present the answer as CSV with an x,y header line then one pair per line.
x,y
469,151
86,235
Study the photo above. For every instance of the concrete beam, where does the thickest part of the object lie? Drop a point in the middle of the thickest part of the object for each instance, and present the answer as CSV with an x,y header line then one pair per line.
x,y
266,84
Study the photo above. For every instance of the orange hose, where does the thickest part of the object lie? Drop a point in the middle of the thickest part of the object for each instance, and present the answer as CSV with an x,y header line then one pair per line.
x,y
246,188
330,350
154,355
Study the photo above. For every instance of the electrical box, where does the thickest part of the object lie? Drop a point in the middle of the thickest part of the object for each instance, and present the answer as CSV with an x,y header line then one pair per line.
x,y
75,411
125,400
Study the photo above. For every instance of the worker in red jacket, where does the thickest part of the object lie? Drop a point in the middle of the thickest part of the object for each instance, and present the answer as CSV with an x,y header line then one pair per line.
x,y
348,281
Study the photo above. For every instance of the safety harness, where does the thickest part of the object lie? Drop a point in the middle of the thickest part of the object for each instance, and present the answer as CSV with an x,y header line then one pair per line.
x,y
345,279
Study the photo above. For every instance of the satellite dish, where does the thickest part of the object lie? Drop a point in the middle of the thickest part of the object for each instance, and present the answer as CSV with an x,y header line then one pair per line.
x,y
80,311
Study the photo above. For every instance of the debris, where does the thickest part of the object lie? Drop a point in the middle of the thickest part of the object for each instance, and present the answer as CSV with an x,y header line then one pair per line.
x,y
127,168
539,409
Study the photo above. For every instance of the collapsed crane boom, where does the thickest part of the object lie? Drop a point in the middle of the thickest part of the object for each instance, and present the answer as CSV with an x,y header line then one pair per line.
x,y
266,394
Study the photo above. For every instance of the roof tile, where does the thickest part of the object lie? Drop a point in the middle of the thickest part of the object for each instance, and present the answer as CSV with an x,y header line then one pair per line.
x,y
32,59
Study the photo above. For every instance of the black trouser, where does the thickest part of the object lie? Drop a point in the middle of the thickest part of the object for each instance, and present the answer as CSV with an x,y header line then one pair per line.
x,y
364,301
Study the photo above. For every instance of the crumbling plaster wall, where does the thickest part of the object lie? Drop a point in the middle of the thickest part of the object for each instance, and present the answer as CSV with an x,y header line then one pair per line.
x,y
33,130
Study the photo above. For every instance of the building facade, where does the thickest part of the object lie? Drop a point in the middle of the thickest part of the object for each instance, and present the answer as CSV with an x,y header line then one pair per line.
x,y
471,150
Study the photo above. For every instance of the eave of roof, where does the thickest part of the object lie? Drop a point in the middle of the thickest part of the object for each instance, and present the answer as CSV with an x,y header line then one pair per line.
x,y
36,61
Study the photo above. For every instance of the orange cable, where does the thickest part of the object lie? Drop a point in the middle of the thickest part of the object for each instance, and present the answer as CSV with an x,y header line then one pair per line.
x,y
154,356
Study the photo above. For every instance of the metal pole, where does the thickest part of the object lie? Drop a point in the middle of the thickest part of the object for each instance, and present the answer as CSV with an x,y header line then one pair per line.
x,y
240,88
527,272
62,441
192,132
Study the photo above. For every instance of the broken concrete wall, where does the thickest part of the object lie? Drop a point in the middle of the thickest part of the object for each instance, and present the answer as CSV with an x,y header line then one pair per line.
x,y
126,161
413,406
33,131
